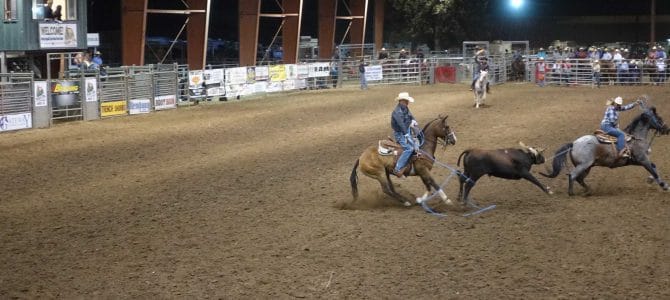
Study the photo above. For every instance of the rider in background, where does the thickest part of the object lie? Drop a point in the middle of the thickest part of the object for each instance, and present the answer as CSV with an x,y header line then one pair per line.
x,y
401,121
481,61
610,122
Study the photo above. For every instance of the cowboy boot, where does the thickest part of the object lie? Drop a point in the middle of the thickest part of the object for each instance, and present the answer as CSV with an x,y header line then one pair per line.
x,y
401,173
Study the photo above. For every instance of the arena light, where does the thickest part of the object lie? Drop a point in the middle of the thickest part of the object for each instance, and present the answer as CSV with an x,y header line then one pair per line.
x,y
516,4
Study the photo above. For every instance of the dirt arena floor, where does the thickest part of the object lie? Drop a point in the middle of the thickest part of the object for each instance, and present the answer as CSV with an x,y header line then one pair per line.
x,y
244,199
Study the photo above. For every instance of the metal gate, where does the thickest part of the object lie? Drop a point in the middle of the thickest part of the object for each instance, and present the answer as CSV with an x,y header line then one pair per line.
x,y
113,93
140,89
165,84
16,101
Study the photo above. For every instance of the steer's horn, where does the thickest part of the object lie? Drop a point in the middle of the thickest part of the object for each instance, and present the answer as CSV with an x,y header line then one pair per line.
x,y
541,150
523,145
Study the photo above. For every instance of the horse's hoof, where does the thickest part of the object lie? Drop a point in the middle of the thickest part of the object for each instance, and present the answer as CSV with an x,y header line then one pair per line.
x,y
448,202
419,200
650,179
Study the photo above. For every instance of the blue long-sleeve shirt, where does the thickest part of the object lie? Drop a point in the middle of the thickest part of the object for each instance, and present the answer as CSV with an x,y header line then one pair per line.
x,y
612,114
401,118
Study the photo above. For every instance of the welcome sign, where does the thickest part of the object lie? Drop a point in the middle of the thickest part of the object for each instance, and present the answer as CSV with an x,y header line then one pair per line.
x,y
57,35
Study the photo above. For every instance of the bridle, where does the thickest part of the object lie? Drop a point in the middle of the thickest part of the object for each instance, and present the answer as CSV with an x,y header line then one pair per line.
x,y
443,141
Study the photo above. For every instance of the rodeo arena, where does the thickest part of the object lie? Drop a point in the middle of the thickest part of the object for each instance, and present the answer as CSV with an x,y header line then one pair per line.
x,y
273,176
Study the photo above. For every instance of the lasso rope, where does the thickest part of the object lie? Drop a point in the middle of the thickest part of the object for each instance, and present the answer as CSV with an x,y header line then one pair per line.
x,y
453,172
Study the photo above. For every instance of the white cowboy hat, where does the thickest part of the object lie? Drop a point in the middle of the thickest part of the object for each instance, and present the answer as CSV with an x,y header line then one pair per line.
x,y
383,49
404,96
618,100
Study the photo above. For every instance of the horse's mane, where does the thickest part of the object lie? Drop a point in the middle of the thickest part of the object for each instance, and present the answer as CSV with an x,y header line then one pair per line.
x,y
636,121
430,122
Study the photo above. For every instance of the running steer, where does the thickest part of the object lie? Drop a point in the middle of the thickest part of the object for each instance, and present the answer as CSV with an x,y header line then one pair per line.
x,y
504,163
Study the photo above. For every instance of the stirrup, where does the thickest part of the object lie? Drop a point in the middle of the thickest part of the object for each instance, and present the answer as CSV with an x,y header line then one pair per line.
x,y
624,153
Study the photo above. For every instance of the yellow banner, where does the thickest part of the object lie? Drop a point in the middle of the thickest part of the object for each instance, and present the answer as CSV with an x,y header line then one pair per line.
x,y
277,73
113,108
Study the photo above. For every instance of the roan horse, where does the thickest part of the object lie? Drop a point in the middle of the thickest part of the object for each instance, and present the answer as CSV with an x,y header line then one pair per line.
x,y
379,167
480,88
587,151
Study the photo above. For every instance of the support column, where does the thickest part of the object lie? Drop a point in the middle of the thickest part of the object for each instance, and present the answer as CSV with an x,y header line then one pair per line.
x,y
359,10
196,34
291,30
249,11
327,14
133,31
3,62
379,24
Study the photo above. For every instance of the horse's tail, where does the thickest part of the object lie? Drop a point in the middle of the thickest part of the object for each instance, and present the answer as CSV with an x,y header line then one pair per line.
x,y
354,181
464,153
559,160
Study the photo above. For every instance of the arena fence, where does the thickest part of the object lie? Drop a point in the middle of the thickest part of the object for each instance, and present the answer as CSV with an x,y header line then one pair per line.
x,y
16,100
558,71
89,95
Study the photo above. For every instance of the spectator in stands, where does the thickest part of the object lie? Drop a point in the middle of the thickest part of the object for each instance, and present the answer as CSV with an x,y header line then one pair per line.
x,y
582,53
361,73
596,72
402,55
419,54
606,55
540,72
593,53
541,53
383,54
48,11
58,14
97,58
634,72
622,72
625,54
660,53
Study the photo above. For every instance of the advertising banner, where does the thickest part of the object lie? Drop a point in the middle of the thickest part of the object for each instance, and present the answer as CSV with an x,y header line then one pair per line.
x,y
277,73
16,121
91,90
303,71
64,93
236,75
113,108
165,102
214,82
373,73
139,106
40,93
57,35
291,72
196,83
319,69
262,73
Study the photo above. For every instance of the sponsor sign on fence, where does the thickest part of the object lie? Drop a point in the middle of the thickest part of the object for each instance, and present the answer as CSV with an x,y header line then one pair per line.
x,y
139,106
91,90
113,108
16,121
40,92
165,102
